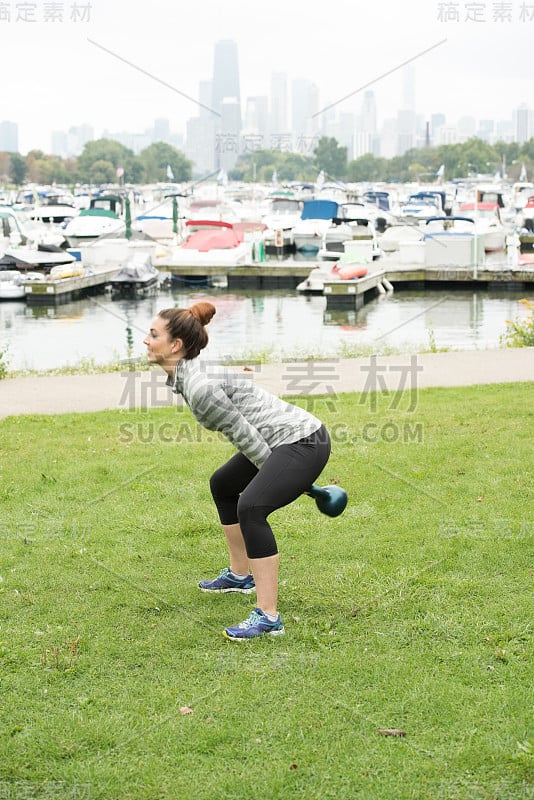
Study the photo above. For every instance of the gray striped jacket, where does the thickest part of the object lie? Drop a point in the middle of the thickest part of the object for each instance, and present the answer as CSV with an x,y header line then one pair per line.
x,y
254,420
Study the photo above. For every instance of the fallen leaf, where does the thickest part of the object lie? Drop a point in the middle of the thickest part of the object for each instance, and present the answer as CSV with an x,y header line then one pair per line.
x,y
186,710
391,732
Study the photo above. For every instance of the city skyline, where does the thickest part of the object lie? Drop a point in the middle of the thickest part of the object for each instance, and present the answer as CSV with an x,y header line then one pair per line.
x,y
150,66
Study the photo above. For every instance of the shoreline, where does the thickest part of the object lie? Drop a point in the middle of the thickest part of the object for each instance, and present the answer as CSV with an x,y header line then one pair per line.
x,y
129,390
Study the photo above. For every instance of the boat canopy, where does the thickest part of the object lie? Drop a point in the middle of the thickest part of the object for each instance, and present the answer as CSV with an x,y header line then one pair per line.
x,y
319,209
380,199
98,212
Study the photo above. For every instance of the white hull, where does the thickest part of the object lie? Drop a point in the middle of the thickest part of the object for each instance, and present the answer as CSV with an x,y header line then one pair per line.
x,y
86,229
186,257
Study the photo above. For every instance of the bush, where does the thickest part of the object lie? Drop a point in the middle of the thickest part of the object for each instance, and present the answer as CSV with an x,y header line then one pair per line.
x,y
520,332
3,365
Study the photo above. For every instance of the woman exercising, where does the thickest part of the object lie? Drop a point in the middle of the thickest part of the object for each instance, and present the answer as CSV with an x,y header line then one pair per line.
x,y
281,448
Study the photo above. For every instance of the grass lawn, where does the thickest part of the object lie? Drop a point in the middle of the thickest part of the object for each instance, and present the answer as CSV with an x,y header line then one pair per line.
x,y
407,667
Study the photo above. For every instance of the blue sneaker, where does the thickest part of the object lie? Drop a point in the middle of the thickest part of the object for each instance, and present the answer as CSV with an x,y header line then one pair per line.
x,y
227,582
257,624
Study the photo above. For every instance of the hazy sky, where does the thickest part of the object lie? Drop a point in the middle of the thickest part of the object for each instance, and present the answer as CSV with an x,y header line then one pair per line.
x,y
58,73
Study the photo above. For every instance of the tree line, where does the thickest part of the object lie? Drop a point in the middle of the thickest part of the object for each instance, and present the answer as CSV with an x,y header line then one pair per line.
x,y
107,161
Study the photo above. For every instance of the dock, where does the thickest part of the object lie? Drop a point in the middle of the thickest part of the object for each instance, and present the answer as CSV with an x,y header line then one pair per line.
x,y
273,274
384,274
63,290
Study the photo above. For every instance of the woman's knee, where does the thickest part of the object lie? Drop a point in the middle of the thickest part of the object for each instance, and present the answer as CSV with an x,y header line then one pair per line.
x,y
217,483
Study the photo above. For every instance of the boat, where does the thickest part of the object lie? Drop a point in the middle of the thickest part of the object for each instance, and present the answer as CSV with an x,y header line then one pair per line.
x,y
54,207
42,257
212,243
102,218
136,276
399,235
16,228
489,226
525,217
422,205
346,269
108,252
352,230
12,283
310,231
280,219
521,193
452,241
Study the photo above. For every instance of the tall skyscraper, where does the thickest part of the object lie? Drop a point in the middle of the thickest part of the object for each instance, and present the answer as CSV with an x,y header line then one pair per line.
x,y
9,137
523,123
406,116
305,103
367,139
226,101
279,103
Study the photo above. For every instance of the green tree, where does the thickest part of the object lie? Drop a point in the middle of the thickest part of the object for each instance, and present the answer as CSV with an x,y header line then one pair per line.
x,y
17,170
102,171
102,150
158,156
331,157
366,168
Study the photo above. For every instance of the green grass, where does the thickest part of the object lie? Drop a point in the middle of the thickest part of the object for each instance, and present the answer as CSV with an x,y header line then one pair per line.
x,y
413,611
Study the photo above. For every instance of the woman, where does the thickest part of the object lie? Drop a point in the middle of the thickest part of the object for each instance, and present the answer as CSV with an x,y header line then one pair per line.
x,y
281,448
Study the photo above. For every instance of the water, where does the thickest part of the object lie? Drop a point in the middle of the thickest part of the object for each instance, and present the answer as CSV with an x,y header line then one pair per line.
x,y
280,324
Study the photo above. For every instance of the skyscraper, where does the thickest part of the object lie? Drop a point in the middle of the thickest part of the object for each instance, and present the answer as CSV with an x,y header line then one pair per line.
x,y
305,103
226,101
9,137
523,127
279,103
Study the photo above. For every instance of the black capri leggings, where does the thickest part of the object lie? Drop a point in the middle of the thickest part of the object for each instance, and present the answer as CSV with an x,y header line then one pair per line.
x,y
245,494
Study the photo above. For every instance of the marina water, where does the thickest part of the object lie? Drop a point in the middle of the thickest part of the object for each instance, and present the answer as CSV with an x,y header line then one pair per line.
x,y
280,324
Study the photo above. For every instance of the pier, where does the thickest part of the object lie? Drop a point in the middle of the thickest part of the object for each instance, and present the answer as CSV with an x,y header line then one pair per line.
x,y
288,274
63,290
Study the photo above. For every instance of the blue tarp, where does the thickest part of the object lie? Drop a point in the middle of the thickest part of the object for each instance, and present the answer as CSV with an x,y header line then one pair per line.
x,y
319,209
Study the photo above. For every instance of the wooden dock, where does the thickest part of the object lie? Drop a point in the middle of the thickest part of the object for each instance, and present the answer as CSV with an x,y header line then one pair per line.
x,y
287,274
354,293
63,290
254,275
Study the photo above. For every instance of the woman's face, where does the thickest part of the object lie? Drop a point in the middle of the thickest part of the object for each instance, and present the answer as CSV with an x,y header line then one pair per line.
x,y
160,348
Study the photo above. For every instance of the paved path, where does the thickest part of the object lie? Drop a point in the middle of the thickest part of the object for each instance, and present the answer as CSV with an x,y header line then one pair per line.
x,y
61,394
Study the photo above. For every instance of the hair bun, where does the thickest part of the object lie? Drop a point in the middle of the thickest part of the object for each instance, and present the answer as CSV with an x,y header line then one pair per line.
x,y
202,312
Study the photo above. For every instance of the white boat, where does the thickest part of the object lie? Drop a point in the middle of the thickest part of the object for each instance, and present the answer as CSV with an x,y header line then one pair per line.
x,y
398,234
489,226
352,230
525,217
55,207
452,242
16,228
12,283
212,243
280,219
102,218
310,231
107,252
41,257
422,205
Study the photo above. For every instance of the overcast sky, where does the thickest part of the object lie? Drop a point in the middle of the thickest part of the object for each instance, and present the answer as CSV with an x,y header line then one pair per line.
x,y
58,74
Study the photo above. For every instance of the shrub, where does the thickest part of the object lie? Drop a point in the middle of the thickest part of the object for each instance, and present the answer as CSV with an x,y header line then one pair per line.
x,y
520,332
